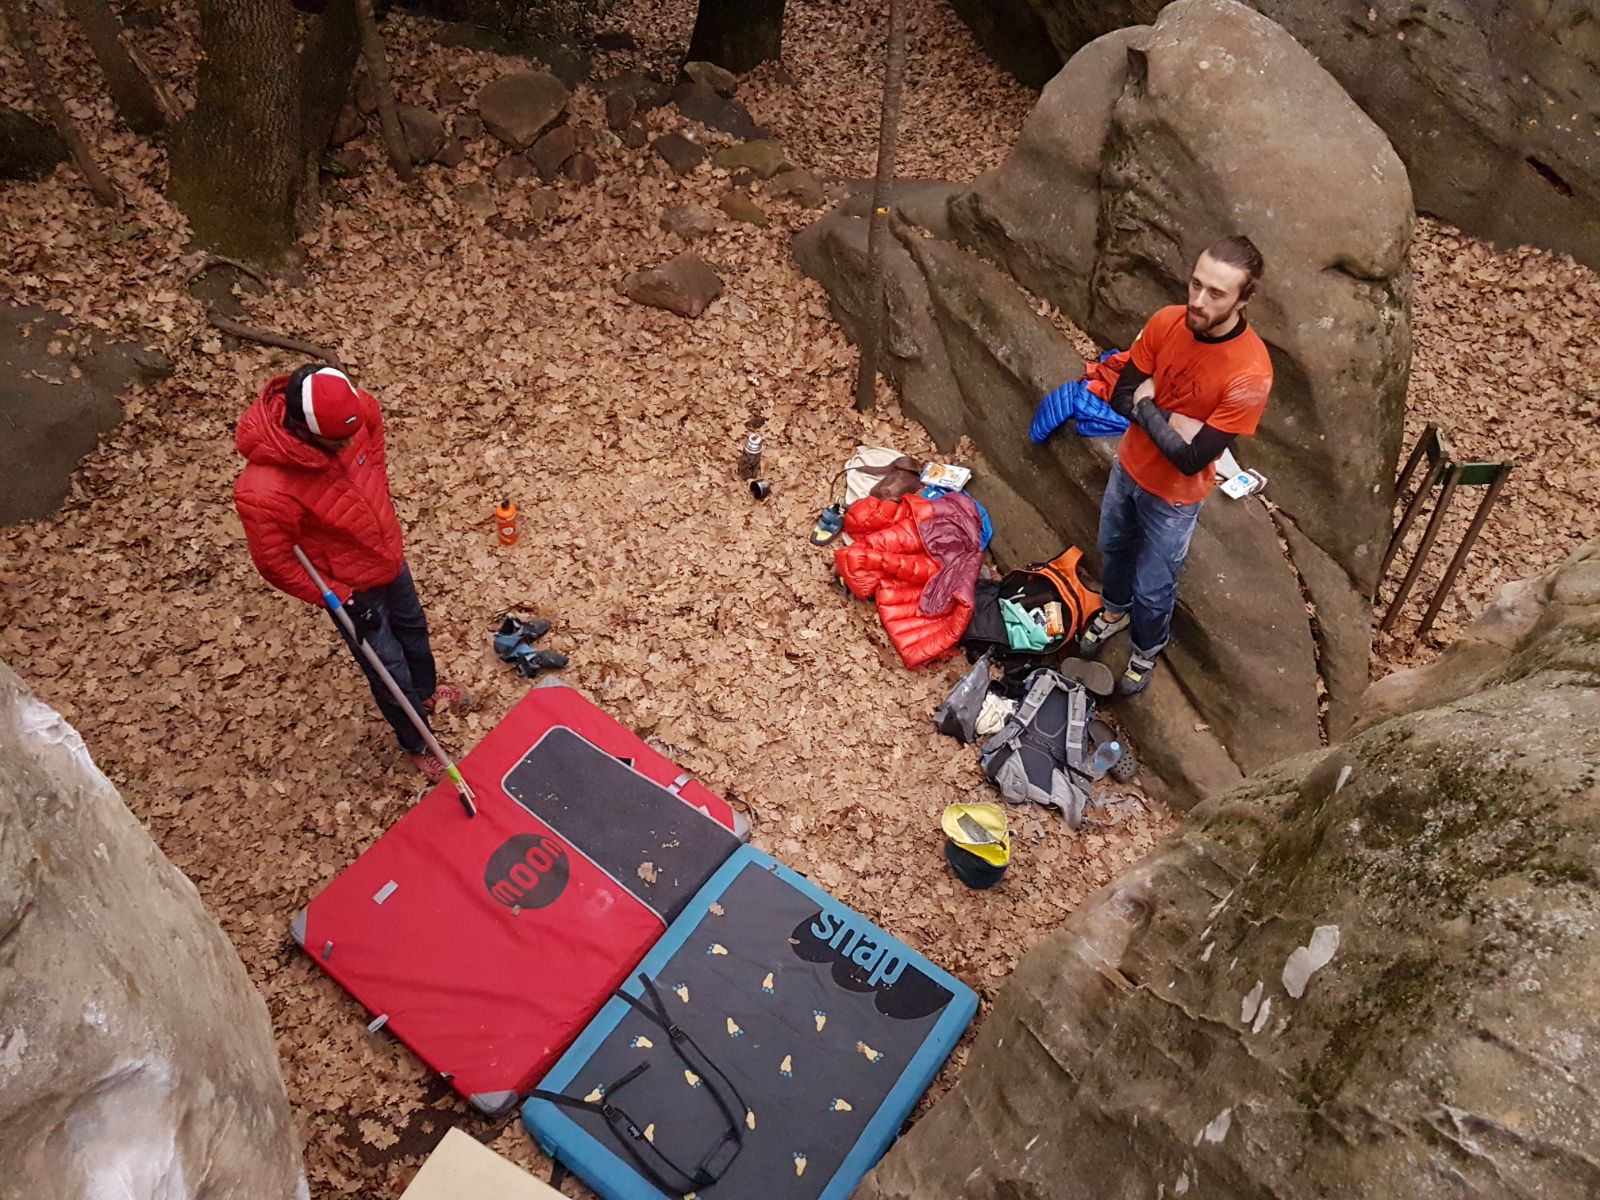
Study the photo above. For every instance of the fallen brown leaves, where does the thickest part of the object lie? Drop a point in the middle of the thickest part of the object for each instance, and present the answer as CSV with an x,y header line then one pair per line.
x,y
240,731
1506,362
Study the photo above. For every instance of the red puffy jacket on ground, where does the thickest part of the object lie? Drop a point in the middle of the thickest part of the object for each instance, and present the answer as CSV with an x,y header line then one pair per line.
x,y
918,559
336,507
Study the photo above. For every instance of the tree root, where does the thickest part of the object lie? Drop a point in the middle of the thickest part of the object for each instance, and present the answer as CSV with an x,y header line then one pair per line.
x,y
268,337
218,260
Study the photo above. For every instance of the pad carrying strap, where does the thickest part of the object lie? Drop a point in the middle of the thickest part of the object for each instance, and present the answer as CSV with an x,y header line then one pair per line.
x,y
652,1162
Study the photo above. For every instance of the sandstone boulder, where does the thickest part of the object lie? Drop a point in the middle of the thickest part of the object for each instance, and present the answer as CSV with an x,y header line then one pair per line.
x,y
136,1059
684,285
1134,138
1492,107
971,357
518,108
1366,972
452,154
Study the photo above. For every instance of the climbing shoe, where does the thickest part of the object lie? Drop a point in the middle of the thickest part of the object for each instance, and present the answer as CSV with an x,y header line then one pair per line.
x,y
428,765
1137,677
529,661
449,695
514,631
1092,641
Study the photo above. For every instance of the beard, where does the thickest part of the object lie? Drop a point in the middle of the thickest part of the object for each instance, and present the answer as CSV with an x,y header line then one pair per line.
x,y
1199,323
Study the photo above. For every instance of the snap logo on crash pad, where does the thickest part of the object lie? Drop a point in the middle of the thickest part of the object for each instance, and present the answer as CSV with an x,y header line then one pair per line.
x,y
527,871
864,959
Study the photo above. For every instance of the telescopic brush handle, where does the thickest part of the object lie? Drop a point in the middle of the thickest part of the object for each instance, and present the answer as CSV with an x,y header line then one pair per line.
x,y
342,615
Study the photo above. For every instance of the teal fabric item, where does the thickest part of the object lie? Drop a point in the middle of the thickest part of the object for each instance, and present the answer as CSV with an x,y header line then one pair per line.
x,y
1021,630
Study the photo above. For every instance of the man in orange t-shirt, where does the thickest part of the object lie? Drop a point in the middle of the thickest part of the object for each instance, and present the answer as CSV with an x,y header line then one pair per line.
x,y
1198,377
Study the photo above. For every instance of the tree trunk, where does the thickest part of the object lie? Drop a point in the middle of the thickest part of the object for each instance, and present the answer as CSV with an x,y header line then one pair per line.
x,y
15,19
236,162
737,34
333,44
394,137
872,335
134,94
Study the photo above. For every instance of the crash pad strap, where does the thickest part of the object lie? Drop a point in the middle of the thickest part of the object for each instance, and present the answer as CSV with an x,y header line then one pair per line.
x,y
630,1134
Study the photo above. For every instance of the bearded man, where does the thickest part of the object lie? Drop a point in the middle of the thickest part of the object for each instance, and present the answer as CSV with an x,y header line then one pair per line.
x,y
1197,378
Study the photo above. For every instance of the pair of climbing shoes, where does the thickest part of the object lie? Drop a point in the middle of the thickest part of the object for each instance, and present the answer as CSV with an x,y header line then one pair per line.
x,y
514,643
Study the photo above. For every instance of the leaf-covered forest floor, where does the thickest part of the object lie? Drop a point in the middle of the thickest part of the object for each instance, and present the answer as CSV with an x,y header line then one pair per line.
x,y
242,735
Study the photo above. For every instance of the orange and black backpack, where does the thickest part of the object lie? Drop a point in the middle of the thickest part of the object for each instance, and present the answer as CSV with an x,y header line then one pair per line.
x,y
1033,586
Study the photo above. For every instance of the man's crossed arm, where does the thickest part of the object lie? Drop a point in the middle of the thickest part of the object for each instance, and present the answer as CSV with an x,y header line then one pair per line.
x,y
1134,398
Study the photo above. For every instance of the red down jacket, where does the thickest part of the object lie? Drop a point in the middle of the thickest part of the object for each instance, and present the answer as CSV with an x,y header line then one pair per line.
x,y
335,506
918,559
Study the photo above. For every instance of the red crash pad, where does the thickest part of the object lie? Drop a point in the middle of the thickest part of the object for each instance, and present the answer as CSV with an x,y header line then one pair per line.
x,y
486,943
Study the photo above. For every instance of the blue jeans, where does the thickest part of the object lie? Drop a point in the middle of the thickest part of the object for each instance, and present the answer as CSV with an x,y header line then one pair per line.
x,y
401,642
1144,541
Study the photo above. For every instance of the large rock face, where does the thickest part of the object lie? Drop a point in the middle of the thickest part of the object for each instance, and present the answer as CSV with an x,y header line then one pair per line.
x,y
136,1060
1491,104
1367,972
1131,165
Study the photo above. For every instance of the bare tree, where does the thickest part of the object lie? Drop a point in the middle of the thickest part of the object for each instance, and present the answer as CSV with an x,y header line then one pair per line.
x,y
138,95
394,136
737,34
14,18
332,46
237,165
877,229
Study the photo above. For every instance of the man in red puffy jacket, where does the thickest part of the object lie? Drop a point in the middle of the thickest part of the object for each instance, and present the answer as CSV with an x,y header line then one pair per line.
x,y
316,477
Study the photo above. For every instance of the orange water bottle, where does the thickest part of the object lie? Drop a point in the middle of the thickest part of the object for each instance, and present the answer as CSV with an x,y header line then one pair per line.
x,y
505,520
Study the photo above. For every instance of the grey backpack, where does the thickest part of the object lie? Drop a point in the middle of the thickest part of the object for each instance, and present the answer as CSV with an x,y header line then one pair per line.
x,y
1039,754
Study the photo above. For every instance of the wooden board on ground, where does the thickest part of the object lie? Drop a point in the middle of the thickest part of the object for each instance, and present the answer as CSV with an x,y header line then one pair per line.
x,y
461,1166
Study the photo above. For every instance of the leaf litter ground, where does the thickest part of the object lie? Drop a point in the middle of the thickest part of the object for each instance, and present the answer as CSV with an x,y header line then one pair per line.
x,y
239,730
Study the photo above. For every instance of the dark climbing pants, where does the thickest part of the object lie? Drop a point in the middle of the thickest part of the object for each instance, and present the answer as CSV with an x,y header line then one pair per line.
x,y
401,642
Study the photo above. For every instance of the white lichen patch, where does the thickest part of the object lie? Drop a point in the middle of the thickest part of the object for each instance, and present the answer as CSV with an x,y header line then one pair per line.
x,y
1307,960
1251,1002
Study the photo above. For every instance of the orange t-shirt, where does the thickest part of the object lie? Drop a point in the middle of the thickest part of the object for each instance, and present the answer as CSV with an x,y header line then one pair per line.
x,y
1223,383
